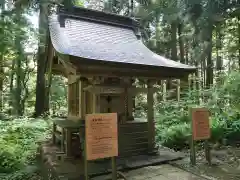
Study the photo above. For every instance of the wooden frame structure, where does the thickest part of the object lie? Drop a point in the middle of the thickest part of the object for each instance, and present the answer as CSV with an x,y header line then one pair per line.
x,y
102,56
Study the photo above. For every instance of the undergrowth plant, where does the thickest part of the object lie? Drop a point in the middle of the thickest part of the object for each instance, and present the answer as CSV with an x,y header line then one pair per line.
x,y
223,101
18,146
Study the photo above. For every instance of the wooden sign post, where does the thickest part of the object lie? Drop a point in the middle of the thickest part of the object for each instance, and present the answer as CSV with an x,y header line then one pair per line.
x,y
200,131
101,139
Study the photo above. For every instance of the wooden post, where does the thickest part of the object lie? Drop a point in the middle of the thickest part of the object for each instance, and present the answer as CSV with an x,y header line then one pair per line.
x,y
207,152
96,96
114,168
84,103
164,90
94,105
126,98
192,152
150,116
82,100
190,82
68,142
200,128
85,159
130,104
130,99
81,104
53,133
178,89
192,142
62,140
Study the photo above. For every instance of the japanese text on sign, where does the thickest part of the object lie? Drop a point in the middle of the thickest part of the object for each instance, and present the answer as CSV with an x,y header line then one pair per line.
x,y
101,136
200,124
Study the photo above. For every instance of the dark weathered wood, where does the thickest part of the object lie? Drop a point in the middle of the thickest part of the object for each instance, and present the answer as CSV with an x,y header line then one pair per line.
x,y
133,147
134,135
68,143
131,141
63,141
114,168
53,134
192,142
150,116
207,152
138,127
101,68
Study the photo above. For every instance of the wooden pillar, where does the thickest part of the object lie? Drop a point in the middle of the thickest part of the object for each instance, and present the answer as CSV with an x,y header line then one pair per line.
x,y
97,101
94,103
150,117
164,90
82,100
178,89
96,96
69,98
127,82
130,102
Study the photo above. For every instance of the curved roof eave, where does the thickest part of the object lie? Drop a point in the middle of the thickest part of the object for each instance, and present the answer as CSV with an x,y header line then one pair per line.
x,y
96,41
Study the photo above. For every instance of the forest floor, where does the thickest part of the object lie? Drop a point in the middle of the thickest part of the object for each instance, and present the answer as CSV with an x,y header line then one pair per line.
x,y
225,164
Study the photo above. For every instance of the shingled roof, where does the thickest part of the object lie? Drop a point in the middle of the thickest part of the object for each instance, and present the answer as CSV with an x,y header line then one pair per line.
x,y
99,36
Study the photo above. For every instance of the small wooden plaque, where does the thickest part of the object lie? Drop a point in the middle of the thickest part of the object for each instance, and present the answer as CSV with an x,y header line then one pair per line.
x,y
200,124
101,136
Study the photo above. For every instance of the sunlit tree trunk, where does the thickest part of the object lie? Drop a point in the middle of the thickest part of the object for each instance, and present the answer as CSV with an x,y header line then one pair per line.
x,y
174,41
18,89
209,71
41,60
1,60
239,43
11,90
181,43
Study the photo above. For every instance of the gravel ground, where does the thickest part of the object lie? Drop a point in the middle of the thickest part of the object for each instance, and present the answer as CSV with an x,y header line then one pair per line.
x,y
225,164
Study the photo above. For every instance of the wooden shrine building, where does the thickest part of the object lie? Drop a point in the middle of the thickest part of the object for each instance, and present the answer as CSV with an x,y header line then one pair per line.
x,y
102,56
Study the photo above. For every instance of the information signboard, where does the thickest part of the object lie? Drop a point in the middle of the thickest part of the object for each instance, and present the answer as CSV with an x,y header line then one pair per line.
x,y
200,124
101,136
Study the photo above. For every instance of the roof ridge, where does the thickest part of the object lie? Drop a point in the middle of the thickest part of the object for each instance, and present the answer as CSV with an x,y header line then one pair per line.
x,y
96,16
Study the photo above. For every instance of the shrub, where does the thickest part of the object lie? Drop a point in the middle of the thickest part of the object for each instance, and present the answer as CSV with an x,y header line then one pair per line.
x,y
18,142
175,137
173,124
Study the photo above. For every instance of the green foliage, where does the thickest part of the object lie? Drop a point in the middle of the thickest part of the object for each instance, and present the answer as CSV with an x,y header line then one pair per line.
x,y
175,136
173,123
18,145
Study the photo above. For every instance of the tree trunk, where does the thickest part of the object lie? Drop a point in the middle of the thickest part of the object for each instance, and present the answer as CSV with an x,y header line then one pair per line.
x,y
174,41
18,89
1,62
41,61
181,43
209,72
239,43
11,87
50,54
